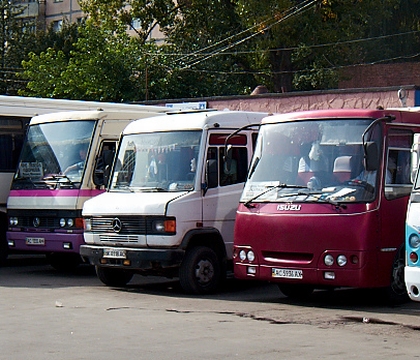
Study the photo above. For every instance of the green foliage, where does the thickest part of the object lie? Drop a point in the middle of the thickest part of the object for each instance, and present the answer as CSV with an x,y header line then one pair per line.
x,y
202,35
13,41
44,73
214,47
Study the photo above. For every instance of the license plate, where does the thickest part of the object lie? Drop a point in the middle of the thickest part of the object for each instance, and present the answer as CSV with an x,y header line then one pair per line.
x,y
287,273
110,253
34,241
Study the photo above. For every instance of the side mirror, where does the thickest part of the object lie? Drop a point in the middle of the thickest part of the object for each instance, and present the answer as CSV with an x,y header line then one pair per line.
x,y
371,156
227,158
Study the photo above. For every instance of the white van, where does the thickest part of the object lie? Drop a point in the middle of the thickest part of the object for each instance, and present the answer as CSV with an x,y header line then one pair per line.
x,y
170,208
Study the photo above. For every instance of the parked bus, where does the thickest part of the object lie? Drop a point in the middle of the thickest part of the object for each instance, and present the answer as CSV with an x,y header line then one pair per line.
x,y
15,114
170,207
412,229
325,201
64,161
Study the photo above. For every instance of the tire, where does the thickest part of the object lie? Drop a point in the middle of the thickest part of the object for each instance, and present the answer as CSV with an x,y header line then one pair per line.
x,y
200,271
64,262
113,277
296,291
396,293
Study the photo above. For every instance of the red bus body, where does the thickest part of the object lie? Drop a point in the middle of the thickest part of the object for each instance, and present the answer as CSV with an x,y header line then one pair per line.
x,y
285,239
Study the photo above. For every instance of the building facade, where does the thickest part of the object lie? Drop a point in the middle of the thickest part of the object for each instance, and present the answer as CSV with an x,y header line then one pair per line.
x,y
43,13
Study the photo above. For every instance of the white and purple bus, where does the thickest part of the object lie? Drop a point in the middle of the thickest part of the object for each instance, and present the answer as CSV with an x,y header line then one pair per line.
x,y
64,161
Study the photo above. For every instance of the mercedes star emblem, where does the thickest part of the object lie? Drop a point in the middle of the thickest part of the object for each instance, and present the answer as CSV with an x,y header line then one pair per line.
x,y
116,225
36,221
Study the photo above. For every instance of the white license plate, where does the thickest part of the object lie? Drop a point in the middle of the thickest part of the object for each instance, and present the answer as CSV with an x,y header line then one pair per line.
x,y
110,253
286,273
34,241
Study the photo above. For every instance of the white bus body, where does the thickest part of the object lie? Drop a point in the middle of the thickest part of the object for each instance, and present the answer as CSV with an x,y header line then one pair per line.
x,y
15,114
171,205
412,229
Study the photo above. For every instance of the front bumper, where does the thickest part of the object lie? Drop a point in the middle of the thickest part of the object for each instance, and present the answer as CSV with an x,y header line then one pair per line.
x,y
135,259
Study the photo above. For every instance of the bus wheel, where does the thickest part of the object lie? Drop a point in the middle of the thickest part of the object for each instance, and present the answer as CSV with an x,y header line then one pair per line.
x,y
296,291
200,271
113,277
397,292
64,262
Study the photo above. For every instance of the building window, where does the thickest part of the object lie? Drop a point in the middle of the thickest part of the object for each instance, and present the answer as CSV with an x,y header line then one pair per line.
x,y
57,25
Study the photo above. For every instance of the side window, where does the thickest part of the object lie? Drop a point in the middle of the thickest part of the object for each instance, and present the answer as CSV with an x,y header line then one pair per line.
x,y
233,170
11,140
397,172
221,170
104,162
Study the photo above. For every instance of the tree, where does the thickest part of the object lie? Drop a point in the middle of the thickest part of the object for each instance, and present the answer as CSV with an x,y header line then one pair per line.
x,y
97,67
219,47
13,35
202,35
290,35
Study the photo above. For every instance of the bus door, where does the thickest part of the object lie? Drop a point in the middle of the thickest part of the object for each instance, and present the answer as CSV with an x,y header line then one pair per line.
x,y
397,188
225,177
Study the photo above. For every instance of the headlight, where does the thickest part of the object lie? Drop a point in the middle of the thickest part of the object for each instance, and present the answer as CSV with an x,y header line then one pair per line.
x,y
242,255
250,256
414,241
164,226
328,260
62,222
87,224
13,221
70,222
341,260
159,226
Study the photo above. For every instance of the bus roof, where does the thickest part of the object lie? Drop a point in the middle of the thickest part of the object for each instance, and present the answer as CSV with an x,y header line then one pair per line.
x,y
30,106
401,114
93,114
196,121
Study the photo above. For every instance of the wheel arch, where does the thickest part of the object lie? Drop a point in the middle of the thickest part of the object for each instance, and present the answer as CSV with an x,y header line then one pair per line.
x,y
208,237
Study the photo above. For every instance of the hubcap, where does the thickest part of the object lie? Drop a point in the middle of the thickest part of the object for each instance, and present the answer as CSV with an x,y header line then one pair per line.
x,y
204,271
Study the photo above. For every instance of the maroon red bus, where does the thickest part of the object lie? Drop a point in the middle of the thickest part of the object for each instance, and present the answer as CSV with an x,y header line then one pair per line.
x,y
325,201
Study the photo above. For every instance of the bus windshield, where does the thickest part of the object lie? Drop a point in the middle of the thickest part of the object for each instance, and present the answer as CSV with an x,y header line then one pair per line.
x,y
53,155
159,161
311,161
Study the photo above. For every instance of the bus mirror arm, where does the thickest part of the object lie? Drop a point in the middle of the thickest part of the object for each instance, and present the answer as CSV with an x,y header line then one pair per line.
x,y
370,148
227,152
227,158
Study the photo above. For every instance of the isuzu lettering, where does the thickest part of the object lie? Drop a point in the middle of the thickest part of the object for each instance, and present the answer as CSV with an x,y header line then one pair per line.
x,y
325,201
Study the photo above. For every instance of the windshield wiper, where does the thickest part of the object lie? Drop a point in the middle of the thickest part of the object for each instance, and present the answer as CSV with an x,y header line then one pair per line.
x,y
278,186
59,179
328,200
320,199
27,183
